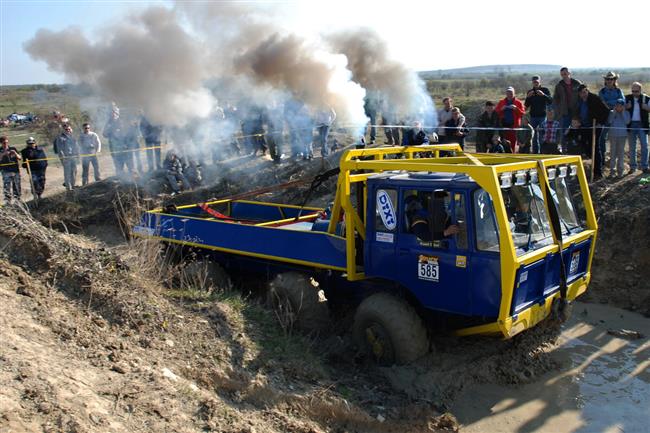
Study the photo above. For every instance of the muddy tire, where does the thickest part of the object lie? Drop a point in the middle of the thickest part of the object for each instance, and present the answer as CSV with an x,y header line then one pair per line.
x,y
206,275
297,302
389,331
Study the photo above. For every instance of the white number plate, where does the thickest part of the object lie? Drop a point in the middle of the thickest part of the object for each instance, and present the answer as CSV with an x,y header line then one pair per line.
x,y
428,268
575,261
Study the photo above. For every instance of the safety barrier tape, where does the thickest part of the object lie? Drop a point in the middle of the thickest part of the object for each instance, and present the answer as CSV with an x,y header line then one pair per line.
x,y
240,137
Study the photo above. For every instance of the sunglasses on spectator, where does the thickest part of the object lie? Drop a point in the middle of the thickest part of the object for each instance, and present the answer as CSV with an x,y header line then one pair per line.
x,y
636,91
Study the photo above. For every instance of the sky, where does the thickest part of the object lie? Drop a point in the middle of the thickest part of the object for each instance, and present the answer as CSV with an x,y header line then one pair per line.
x,y
424,35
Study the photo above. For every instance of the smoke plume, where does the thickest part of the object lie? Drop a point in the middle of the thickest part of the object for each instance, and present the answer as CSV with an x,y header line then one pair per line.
x,y
178,64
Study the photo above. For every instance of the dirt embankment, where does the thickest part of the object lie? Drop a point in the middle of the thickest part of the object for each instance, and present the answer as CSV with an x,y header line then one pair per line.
x,y
96,342
621,267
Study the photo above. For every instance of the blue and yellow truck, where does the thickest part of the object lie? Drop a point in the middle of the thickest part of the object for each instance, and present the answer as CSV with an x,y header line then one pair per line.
x,y
417,238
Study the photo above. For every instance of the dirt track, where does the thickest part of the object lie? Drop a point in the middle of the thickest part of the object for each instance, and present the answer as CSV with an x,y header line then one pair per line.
x,y
80,352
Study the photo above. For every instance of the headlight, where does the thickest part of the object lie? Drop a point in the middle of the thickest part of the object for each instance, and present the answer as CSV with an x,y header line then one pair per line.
x,y
520,178
551,173
574,170
563,171
506,179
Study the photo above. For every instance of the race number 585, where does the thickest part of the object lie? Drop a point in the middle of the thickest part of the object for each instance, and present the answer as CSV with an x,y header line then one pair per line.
x,y
428,268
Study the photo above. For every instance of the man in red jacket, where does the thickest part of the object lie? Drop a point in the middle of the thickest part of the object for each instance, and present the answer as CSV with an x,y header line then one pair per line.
x,y
510,110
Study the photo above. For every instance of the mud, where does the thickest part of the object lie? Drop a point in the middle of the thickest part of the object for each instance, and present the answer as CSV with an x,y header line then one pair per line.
x,y
94,340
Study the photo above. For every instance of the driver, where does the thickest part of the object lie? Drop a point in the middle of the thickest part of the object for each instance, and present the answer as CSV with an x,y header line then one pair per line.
x,y
419,219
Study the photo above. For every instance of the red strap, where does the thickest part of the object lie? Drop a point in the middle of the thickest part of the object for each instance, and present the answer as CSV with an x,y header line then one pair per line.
x,y
214,213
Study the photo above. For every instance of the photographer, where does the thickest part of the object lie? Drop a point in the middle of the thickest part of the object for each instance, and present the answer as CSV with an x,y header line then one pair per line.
x,y
537,101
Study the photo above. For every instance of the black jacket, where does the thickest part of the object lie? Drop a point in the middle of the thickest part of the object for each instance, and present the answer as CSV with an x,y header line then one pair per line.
x,y
597,109
36,157
538,103
644,99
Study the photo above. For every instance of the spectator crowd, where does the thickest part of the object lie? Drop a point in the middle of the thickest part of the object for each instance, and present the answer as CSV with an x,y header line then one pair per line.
x,y
563,121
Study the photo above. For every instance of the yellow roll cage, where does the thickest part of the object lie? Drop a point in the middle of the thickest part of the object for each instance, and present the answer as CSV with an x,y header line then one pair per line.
x,y
358,164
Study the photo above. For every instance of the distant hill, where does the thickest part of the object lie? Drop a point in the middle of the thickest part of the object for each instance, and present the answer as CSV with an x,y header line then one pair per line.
x,y
490,69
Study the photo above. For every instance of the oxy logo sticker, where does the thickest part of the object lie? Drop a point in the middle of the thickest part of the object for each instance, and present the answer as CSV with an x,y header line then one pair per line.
x,y
575,261
386,210
428,268
461,261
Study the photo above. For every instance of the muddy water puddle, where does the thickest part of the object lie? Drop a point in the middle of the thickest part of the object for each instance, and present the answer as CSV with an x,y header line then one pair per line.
x,y
603,384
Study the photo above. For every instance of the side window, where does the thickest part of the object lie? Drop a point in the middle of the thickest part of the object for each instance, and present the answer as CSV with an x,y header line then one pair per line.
x,y
427,216
385,210
460,218
487,234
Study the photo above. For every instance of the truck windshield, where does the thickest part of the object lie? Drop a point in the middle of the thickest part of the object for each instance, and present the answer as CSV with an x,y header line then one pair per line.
x,y
566,194
529,223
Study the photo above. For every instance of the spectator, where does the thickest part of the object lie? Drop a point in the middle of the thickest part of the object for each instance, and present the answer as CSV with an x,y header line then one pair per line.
x,y
151,135
370,106
510,109
66,147
274,120
415,136
455,128
9,159
133,145
609,93
618,120
324,118
525,135
116,131
591,108
444,114
548,133
496,146
488,119
638,105
253,131
389,118
537,100
565,101
89,146
35,162
174,172
300,129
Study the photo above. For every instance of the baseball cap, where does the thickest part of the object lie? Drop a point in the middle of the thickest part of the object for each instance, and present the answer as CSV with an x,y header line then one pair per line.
x,y
31,140
510,89
535,78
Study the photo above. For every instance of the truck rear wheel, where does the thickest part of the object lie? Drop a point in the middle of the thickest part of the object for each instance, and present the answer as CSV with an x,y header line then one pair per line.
x,y
205,275
389,330
297,301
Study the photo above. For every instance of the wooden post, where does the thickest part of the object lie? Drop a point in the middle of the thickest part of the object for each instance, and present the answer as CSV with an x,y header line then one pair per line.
x,y
31,181
593,150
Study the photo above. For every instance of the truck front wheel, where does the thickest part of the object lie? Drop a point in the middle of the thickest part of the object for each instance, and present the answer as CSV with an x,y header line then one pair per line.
x,y
389,330
296,300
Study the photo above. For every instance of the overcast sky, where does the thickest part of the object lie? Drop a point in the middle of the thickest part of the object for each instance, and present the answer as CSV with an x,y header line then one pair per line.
x,y
425,35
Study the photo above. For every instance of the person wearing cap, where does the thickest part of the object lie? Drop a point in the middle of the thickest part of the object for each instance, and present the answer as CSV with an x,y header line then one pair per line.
x,y
510,110
537,101
89,145
618,119
565,101
638,105
35,162
9,160
591,108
